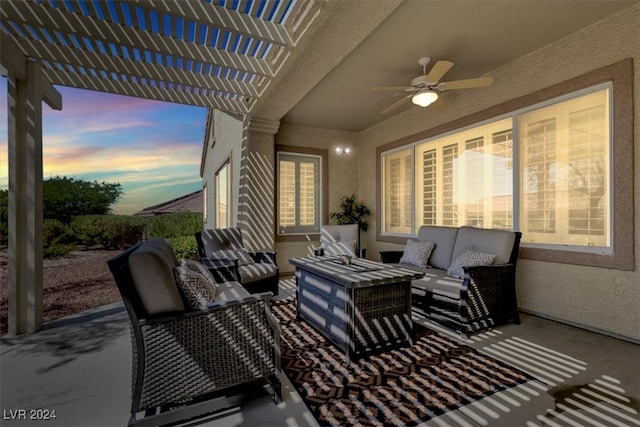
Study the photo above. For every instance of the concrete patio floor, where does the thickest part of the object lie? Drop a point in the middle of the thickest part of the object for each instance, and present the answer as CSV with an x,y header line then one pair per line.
x,y
80,367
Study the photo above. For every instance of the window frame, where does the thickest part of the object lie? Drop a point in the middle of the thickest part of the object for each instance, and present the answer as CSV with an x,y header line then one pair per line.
x,y
323,156
620,76
224,166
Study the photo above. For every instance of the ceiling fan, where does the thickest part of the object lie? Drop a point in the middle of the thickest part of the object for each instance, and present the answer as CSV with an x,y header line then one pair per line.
x,y
423,88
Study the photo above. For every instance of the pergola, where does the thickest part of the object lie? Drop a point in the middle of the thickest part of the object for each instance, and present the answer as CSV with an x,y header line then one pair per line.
x,y
220,54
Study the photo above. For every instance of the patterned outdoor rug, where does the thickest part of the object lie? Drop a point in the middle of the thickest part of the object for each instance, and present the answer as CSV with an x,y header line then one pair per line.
x,y
397,387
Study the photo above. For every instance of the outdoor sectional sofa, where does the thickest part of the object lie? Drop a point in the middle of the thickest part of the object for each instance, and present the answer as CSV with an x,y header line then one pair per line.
x,y
483,296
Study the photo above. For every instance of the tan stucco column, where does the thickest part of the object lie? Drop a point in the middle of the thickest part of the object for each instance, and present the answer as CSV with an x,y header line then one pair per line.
x,y
256,210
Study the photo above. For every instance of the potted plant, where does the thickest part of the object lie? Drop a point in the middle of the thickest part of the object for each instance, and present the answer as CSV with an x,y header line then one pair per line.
x,y
352,212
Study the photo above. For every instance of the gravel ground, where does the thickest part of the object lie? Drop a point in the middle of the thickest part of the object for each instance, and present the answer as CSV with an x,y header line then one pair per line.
x,y
72,284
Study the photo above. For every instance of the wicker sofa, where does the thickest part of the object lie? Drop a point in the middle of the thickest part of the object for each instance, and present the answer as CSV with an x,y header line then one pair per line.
x,y
187,361
484,296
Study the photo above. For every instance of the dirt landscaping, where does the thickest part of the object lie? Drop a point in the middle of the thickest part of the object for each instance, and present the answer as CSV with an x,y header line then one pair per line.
x,y
72,284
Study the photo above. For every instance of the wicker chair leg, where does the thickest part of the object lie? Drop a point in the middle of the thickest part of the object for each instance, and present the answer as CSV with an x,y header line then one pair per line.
x,y
275,389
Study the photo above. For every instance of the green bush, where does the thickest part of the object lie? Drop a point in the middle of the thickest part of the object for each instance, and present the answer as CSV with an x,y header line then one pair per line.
x,y
185,247
57,250
110,231
173,225
55,231
57,239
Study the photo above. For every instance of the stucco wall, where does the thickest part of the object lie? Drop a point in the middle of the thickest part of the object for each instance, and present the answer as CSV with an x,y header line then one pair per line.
x,y
226,138
342,170
601,299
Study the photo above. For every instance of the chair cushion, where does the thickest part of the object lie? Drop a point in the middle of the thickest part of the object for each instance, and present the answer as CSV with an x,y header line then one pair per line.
x,y
444,238
197,290
257,271
340,248
498,242
231,290
241,255
469,259
221,238
151,267
338,233
417,253
438,283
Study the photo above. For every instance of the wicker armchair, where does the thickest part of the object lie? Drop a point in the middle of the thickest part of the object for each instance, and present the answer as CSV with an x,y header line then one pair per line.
x,y
223,252
191,362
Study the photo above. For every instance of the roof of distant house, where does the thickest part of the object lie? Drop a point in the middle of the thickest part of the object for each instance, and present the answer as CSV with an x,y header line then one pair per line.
x,y
192,202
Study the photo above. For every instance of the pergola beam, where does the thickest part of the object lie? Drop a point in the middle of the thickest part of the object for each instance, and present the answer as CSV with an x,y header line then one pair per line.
x,y
148,91
113,64
12,63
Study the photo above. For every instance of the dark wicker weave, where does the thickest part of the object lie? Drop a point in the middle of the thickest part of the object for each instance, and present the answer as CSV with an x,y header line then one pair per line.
x,y
186,363
362,308
487,296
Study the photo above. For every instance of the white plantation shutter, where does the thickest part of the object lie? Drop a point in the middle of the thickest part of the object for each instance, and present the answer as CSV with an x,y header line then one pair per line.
x,y
299,193
565,165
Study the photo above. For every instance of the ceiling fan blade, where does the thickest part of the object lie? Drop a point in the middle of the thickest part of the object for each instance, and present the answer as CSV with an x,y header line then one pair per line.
x,y
466,84
392,89
438,70
396,104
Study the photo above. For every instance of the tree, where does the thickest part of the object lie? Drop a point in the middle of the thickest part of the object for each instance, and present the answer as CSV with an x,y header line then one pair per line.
x,y
64,198
352,212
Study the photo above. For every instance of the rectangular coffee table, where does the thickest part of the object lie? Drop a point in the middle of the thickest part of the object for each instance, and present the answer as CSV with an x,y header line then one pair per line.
x,y
362,308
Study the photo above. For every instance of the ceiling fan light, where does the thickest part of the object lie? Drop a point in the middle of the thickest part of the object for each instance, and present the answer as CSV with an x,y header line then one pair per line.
x,y
424,98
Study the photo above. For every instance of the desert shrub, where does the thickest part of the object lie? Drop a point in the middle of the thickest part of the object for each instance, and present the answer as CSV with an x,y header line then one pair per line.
x,y
173,225
110,231
55,231
57,239
185,247
57,250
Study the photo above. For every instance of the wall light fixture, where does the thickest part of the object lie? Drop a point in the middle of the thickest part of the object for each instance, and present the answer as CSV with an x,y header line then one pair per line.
x,y
343,150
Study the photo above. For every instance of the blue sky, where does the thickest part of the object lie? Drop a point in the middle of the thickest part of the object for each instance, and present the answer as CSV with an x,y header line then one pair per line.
x,y
151,148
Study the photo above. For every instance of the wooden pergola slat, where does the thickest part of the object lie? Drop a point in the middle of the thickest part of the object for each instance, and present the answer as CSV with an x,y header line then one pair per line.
x,y
82,58
145,91
96,29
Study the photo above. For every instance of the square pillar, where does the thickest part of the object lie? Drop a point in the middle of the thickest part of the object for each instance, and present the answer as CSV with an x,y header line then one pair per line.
x,y
25,200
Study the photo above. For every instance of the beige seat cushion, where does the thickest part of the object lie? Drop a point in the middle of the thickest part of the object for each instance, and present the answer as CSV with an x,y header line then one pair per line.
x,y
151,267
257,271
444,239
230,290
496,242
438,283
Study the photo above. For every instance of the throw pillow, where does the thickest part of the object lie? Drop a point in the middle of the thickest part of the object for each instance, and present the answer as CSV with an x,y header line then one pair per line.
x,y
197,292
469,259
241,255
199,268
417,253
340,248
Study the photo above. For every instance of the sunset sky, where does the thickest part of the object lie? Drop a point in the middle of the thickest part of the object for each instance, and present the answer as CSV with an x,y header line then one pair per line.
x,y
152,148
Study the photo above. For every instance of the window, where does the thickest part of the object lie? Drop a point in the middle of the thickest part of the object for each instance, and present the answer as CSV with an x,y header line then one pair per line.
x,y
397,175
223,217
467,177
299,189
565,197
205,209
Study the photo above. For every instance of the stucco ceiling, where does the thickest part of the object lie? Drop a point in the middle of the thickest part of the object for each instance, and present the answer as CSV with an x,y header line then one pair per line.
x,y
303,62
478,36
